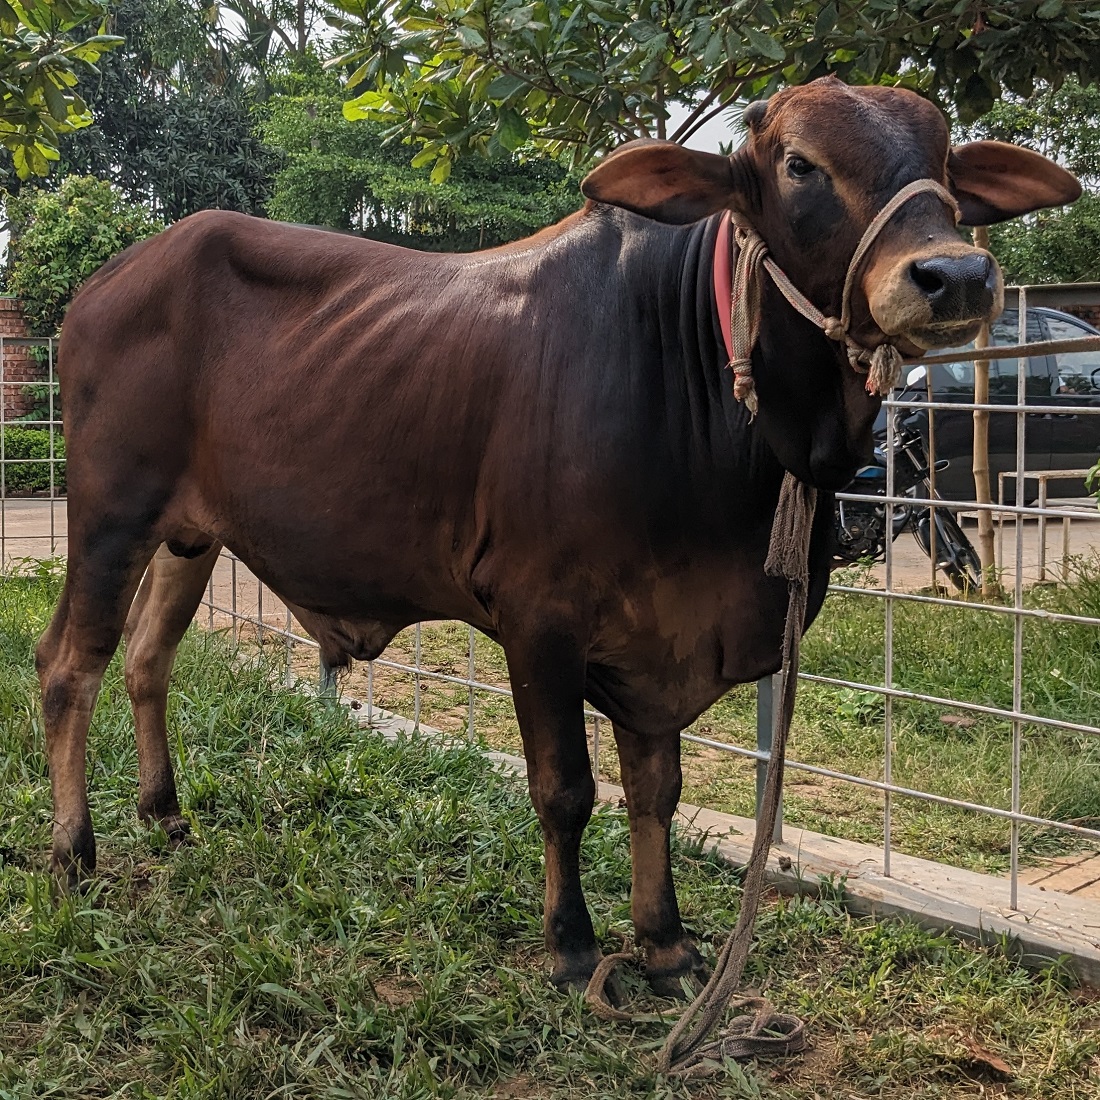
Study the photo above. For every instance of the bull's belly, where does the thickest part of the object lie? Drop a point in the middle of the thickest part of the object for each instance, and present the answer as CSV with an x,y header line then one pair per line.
x,y
662,646
659,680
389,570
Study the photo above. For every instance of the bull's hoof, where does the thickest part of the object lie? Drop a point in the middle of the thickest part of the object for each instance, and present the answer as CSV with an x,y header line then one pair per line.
x,y
168,820
73,858
667,969
573,969
577,977
177,829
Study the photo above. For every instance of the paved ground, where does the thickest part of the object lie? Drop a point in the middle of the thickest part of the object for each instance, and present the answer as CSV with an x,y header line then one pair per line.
x,y
1078,875
37,528
25,531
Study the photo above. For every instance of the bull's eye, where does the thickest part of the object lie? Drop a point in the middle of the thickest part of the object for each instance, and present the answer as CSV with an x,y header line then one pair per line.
x,y
799,166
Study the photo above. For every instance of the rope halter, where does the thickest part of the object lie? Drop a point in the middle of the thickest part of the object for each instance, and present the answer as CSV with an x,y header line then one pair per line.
x,y
882,365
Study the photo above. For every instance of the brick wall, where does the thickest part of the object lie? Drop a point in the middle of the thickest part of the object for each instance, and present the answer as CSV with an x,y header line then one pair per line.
x,y
19,367
1091,314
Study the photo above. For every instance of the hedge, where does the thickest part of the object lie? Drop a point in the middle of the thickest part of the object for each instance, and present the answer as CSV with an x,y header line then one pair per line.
x,y
32,443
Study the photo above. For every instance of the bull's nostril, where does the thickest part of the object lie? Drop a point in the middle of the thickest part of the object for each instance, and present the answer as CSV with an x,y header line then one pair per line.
x,y
956,287
930,281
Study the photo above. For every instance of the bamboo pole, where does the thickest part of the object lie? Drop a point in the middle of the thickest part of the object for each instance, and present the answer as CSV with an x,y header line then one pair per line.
x,y
986,546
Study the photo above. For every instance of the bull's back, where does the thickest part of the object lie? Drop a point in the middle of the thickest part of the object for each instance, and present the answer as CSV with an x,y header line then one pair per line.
x,y
285,388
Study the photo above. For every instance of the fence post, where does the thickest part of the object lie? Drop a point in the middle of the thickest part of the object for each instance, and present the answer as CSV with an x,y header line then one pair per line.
x,y
768,690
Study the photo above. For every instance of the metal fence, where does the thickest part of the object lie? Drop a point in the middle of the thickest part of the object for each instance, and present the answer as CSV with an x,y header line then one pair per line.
x,y
32,482
236,601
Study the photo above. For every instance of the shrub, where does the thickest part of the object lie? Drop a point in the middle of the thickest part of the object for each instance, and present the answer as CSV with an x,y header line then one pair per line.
x,y
32,445
61,237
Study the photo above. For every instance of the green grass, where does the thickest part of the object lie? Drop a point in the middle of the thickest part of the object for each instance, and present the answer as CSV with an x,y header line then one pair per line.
x,y
362,919
950,652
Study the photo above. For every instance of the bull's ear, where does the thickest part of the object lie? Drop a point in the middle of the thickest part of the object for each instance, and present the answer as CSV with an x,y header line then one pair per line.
x,y
994,181
662,180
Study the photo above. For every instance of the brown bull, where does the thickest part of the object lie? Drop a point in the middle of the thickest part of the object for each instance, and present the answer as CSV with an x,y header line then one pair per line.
x,y
539,440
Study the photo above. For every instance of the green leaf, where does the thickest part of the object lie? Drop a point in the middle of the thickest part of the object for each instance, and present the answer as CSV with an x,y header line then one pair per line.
x,y
55,100
469,37
763,45
642,30
826,20
713,51
505,86
442,171
976,99
365,105
512,130
21,162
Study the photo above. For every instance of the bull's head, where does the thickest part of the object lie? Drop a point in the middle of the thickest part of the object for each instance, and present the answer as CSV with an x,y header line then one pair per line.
x,y
820,161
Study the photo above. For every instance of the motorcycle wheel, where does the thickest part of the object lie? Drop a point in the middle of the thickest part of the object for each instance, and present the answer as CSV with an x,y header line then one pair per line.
x,y
957,557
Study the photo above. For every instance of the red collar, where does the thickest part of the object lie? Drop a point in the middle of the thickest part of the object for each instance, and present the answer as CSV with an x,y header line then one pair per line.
x,y
723,282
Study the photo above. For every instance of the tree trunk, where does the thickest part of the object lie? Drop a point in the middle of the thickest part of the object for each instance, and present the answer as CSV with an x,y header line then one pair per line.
x,y
991,585
302,26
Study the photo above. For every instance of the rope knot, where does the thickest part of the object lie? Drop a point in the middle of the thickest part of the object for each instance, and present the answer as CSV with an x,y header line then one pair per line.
x,y
834,329
744,385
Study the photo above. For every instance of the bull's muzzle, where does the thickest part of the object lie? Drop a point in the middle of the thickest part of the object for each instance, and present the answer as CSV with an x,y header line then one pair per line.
x,y
937,298
957,288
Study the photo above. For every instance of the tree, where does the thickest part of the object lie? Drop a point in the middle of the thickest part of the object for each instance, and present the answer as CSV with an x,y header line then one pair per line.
x,y
584,75
61,237
42,49
340,174
175,124
271,31
1064,123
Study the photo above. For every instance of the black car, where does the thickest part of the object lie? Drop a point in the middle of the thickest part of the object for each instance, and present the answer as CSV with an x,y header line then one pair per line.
x,y
1053,441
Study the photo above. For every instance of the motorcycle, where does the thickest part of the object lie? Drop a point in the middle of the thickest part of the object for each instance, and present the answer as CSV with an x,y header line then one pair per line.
x,y
861,527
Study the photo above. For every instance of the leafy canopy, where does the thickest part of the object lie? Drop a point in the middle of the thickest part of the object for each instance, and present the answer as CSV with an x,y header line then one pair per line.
x,y
41,52
581,76
61,237
174,112
340,174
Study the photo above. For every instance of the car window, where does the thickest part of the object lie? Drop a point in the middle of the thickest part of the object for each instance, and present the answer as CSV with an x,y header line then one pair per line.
x,y
1076,372
958,378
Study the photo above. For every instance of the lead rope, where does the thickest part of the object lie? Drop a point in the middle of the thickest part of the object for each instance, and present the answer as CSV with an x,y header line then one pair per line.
x,y
686,1052
759,1029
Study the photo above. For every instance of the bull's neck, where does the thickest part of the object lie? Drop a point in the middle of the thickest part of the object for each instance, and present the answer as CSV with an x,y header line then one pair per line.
x,y
722,445
796,367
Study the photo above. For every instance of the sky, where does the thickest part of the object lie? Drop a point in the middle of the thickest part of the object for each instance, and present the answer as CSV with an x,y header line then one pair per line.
x,y
707,137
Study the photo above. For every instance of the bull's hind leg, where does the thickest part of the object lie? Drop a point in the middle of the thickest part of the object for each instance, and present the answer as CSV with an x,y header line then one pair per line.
x,y
166,602
71,657
547,677
652,781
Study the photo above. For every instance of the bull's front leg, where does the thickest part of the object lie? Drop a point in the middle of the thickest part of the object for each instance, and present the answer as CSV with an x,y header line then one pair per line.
x,y
547,674
652,779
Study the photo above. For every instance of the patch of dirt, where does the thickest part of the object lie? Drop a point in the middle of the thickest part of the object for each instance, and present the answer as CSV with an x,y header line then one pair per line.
x,y
1086,995
518,1088
395,990
20,1035
818,1065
